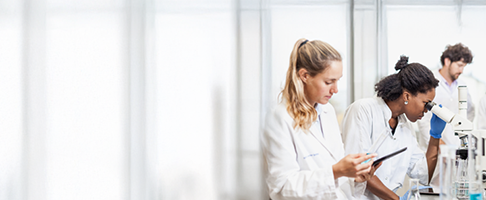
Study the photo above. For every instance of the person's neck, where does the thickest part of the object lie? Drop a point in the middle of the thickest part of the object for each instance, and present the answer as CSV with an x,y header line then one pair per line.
x,y
395,107
312,103
446,75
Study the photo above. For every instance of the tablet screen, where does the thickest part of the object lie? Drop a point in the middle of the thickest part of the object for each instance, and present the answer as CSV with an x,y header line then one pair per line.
x,y
379,160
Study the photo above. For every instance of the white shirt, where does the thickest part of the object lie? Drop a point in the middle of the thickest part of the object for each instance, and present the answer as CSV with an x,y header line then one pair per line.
x,y
482,114
364,122
448,96
298,164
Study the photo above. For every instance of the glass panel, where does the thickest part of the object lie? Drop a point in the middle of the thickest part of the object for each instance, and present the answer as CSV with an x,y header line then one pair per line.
x,y
86,106
471,33
195,63
422,35
77,5
192,6
11,133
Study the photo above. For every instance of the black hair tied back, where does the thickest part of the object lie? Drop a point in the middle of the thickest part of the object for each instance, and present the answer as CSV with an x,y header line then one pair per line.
x,y
402,63
414,78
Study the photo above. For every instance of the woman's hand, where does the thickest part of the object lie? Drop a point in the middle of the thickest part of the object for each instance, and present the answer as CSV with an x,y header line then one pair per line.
x,y
368,176
352,165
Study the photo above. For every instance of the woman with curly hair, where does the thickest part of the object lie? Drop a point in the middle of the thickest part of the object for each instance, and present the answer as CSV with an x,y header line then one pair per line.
x,y
383,124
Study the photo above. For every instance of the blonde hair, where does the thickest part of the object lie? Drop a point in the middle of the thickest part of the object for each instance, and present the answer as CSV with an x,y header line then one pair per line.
x,y
314,56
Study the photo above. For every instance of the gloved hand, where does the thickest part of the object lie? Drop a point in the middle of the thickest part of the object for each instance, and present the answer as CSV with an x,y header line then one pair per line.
x,y
405,196
436,126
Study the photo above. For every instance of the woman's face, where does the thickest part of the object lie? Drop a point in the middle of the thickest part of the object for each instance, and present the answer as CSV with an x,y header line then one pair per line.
x,y
321,87
415,108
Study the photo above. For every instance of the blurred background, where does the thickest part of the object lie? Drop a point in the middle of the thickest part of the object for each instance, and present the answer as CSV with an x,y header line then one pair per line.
x,y
165,99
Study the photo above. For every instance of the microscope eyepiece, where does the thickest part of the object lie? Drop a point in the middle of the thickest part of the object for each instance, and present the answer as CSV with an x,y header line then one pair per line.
x,y
429,105
441,112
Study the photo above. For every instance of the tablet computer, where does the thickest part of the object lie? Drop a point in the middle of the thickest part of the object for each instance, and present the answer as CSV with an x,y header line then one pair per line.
x,y
379,160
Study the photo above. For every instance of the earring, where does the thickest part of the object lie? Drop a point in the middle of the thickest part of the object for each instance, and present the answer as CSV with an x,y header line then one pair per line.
x,y
406,102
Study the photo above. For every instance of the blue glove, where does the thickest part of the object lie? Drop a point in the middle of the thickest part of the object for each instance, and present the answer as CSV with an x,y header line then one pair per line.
x,y
405,196
436,126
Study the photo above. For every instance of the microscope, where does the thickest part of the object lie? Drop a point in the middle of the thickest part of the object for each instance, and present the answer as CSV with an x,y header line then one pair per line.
x,y
466,179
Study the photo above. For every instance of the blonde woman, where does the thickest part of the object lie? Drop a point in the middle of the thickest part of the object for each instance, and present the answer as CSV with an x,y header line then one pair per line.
x,y
301,142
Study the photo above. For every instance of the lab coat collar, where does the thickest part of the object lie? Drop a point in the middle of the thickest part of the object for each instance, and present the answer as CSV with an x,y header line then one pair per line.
x,y
315,130
321,108
443,80
439,76
386,110
388,114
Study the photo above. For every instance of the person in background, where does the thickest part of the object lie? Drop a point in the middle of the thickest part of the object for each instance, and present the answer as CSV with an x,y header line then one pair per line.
x,y
301,142
382,125
481,121
454,59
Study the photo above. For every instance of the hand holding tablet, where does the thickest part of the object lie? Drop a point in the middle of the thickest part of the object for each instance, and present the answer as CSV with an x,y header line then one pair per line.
x,y
379,160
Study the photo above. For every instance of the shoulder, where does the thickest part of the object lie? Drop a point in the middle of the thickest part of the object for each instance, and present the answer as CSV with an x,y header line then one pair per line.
x,y
367,104
436,73
278,113
362,110
438,76
279,109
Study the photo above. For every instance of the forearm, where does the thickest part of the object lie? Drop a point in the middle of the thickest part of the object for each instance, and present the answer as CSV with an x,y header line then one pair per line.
x,y
376,187
431,155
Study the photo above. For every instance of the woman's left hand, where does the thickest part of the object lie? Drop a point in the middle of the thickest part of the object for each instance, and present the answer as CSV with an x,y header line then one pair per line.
x,y
365,177
437,125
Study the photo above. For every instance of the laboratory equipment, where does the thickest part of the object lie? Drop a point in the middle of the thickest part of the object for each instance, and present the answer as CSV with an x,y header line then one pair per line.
x,y
474,171
469,175
447,167
461,179
414,193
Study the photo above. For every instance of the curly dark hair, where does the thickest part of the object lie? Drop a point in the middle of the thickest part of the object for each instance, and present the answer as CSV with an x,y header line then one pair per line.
x,y
456,53
413,77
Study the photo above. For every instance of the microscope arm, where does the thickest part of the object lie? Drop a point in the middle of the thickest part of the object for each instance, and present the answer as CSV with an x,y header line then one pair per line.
x,y
461,125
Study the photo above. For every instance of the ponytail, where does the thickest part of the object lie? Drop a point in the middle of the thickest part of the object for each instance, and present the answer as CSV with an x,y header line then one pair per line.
x,y
313,56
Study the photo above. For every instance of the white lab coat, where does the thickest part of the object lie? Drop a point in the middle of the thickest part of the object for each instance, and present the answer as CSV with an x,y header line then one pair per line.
x,y
481,121
364,122
298,164
449,99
